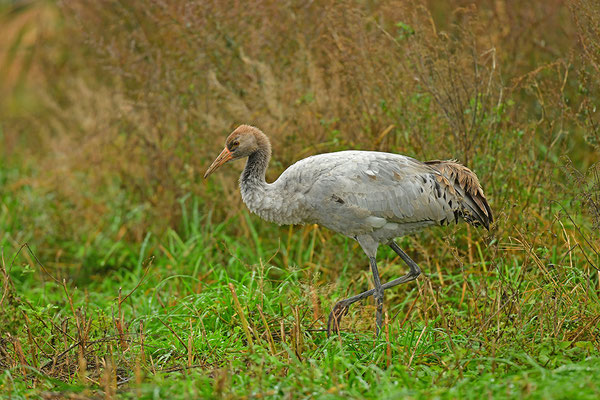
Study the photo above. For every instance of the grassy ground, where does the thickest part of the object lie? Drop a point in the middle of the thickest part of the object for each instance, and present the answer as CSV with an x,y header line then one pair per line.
x,y
200,313
124,275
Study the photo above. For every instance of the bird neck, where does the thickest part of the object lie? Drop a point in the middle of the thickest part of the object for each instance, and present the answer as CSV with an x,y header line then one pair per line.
x,y
256,168
253,176
270,201
253,186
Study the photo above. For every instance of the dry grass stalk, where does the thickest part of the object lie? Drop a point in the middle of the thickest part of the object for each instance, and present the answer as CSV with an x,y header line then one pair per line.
x,y
240,313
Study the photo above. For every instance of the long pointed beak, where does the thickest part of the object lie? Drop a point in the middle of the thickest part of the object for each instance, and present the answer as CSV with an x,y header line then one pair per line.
x,y
220,160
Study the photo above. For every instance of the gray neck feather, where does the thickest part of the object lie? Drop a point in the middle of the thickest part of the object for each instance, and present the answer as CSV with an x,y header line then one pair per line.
x,y
253,176
270,201
253,186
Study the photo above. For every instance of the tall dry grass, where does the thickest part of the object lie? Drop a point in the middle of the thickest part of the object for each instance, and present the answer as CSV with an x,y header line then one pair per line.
x,y
137,98
133,101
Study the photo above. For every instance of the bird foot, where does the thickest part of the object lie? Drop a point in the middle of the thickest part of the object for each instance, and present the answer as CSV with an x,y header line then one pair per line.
x,y
335,317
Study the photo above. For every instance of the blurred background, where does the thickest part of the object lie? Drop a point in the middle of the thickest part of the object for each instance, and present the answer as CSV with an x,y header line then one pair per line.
x,y
111,111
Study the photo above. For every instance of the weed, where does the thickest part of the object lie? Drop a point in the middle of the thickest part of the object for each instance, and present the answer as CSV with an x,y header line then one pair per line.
x,y
140,280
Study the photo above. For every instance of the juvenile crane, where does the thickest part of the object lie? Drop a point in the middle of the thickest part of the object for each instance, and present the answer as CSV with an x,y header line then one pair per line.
x,y
369,196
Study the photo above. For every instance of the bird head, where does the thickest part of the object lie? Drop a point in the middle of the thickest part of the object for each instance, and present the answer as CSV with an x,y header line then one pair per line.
x,y
242,142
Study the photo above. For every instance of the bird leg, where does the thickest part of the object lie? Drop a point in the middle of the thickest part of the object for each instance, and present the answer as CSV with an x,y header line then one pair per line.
x,y
341,307
377,295
415,271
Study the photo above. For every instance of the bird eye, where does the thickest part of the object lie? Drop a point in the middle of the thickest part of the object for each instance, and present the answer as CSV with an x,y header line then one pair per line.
x,y
234,144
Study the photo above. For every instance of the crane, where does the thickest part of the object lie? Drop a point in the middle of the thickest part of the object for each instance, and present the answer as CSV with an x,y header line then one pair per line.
x,y
369,196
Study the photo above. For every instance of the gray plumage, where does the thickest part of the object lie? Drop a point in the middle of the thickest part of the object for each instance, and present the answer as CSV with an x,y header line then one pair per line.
x,y
358,193
372,197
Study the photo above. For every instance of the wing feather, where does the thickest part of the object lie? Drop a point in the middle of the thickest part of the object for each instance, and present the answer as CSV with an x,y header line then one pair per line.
x,y
344,188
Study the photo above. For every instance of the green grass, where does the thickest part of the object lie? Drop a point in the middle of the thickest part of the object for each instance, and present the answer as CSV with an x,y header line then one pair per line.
x,y
159,321
123,274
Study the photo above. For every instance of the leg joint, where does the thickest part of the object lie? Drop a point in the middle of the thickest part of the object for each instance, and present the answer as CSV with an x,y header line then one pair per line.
x,y
416,271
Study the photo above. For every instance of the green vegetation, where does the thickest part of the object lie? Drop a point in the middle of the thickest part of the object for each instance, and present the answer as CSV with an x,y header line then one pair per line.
x,y
124,275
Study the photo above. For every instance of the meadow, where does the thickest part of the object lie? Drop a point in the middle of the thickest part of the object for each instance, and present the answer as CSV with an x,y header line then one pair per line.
x,y
124,274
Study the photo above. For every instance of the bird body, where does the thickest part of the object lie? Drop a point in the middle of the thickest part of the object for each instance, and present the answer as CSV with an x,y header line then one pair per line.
x,y
372,197
359,193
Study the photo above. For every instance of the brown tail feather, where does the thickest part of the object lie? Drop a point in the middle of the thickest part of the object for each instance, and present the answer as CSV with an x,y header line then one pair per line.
x,y
466,181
